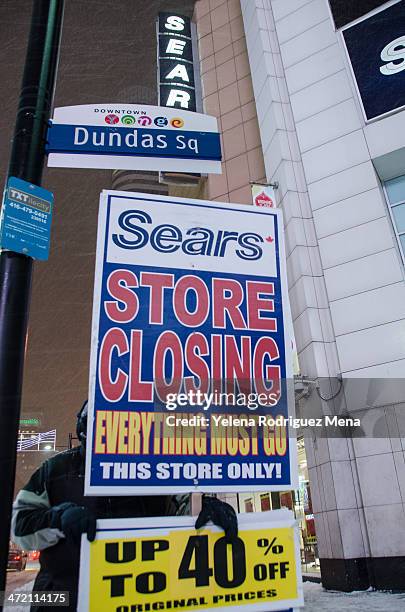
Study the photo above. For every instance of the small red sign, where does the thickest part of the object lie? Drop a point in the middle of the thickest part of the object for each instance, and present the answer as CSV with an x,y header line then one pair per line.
x,y
264,200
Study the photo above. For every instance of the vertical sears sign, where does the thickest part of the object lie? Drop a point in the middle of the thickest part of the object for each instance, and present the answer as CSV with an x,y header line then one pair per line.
x,y
190,351
177,82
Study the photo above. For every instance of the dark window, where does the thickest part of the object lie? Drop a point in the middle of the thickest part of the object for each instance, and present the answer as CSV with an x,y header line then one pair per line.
x,y
345,11
395,190
248,505
275,501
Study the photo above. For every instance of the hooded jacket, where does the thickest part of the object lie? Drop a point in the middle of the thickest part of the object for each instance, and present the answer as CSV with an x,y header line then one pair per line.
x,y
61,479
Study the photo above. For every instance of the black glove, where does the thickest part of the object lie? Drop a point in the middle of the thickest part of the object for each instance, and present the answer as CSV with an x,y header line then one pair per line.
x,y
73,520
221,514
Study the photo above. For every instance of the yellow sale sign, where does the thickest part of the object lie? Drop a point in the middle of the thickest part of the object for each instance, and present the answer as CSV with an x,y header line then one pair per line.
x,y
140,565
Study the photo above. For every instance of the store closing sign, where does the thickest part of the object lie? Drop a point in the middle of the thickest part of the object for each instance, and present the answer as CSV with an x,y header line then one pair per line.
x,y
140,565
189,357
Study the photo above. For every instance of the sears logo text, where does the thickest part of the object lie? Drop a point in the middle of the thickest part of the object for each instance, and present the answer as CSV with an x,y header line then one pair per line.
x,y
169,238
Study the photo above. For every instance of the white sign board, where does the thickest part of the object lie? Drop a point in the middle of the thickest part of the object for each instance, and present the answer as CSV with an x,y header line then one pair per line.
x,y
190,355
164,563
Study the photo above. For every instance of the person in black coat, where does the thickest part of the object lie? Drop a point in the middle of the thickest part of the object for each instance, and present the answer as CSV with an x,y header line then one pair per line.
x,y
50,513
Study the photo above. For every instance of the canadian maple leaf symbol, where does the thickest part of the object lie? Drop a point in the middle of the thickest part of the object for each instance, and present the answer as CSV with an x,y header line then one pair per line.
x,y
269,239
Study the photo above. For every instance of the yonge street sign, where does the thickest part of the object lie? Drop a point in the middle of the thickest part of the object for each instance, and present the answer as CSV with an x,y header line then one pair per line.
x,y
133,137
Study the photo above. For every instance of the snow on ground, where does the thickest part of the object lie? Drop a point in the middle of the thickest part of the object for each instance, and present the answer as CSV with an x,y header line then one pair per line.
x,y
319,600
316,600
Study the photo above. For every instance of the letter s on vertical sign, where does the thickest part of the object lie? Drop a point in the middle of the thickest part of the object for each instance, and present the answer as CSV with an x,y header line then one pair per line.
x,y
174,23
394,51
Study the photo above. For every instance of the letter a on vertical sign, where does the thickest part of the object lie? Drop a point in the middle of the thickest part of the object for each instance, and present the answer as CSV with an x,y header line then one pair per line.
x,y
190,353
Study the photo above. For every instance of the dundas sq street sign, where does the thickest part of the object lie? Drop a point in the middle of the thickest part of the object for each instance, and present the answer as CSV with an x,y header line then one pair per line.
x,y
133,137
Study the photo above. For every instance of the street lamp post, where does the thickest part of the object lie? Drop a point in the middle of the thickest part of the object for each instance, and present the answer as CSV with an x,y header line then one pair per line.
x,y
26,162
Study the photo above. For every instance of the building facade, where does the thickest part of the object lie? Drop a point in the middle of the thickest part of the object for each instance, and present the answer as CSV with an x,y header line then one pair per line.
x,y
302,102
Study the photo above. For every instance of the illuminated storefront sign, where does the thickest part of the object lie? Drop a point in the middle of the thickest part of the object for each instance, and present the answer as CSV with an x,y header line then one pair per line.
x,y
376,50
30,422
175,62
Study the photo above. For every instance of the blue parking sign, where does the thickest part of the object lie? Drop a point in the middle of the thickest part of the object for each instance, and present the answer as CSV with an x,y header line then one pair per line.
x,y
26,219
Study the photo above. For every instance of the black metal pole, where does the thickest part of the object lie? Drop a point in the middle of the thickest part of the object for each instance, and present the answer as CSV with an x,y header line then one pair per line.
x,y
26,162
